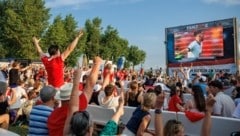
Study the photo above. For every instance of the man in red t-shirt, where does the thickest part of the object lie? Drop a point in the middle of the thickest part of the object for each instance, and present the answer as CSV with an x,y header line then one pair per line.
x,y
54,64
58,117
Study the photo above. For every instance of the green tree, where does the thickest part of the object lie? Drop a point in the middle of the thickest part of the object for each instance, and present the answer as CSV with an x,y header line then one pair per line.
x,y
72,30
93,31
61,33
112,46
56,34
20,20
135,55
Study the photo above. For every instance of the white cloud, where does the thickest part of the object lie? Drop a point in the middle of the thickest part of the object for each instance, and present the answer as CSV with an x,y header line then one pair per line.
x,y
81,3
225,2
63,3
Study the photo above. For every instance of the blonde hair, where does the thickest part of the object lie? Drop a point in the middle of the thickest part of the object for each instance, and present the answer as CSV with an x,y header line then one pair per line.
x,y
149,100
172,127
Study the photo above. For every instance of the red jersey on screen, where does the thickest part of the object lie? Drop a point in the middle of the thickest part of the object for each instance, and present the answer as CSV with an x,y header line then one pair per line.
x,y
54,68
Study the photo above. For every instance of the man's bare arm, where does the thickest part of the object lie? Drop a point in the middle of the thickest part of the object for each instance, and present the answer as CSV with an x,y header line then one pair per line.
x,y
72,45
36,43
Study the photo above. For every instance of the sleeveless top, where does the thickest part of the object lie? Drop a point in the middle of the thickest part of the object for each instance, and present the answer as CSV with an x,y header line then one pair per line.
x,y
3,107
136,119
13,77
134,103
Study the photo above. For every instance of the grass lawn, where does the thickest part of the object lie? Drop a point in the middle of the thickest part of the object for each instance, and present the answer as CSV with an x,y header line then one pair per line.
x,y
21,130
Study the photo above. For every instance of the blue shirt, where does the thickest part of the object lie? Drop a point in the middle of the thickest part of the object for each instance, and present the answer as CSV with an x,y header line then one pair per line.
x,y
38,120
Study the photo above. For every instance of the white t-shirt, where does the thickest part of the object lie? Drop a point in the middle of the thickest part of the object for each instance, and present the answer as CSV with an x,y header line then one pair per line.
x,y
19,93
112,103
224,105
195,49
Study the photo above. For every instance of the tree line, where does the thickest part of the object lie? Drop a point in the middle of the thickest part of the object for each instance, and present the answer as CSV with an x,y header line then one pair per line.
x,y
22,19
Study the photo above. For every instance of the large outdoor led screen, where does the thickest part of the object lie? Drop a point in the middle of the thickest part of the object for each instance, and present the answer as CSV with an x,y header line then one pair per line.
x,y
203,44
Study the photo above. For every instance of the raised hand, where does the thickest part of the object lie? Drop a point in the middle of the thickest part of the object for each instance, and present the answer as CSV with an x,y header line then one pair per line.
x,y
160,100
210,102
35,40
80,33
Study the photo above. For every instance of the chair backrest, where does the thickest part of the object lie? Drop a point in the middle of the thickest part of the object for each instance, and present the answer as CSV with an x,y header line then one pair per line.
x,y
221,126
166,115
224,126
4,132
100,114
127,114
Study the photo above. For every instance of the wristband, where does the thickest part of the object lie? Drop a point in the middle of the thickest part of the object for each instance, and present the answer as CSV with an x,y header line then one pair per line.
x,y
158,111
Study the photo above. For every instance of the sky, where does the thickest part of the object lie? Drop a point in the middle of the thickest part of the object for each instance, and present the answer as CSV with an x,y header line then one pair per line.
x,y
143,22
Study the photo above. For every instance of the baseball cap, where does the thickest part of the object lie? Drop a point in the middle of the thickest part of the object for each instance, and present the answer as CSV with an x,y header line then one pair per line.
x,y
47,92
65,92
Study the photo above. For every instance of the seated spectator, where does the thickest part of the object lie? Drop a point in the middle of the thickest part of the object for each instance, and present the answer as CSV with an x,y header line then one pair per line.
x,y
78,122
4,105
107,99
21,97
57,118
236,95
141,117
111,126
40,113
224,105
158,90
26,107
173,127
229,86
197,104
176,128
175,103
236,112
133,95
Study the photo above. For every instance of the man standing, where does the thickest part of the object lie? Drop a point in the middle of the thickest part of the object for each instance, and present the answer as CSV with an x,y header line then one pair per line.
x,y
54,63
58,117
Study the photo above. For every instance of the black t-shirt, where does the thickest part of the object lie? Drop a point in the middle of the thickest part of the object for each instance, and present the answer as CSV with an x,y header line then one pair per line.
x,y
13,76
3,107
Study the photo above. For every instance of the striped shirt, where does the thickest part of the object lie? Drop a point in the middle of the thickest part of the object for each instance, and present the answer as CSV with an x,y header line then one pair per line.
x,y
38,120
